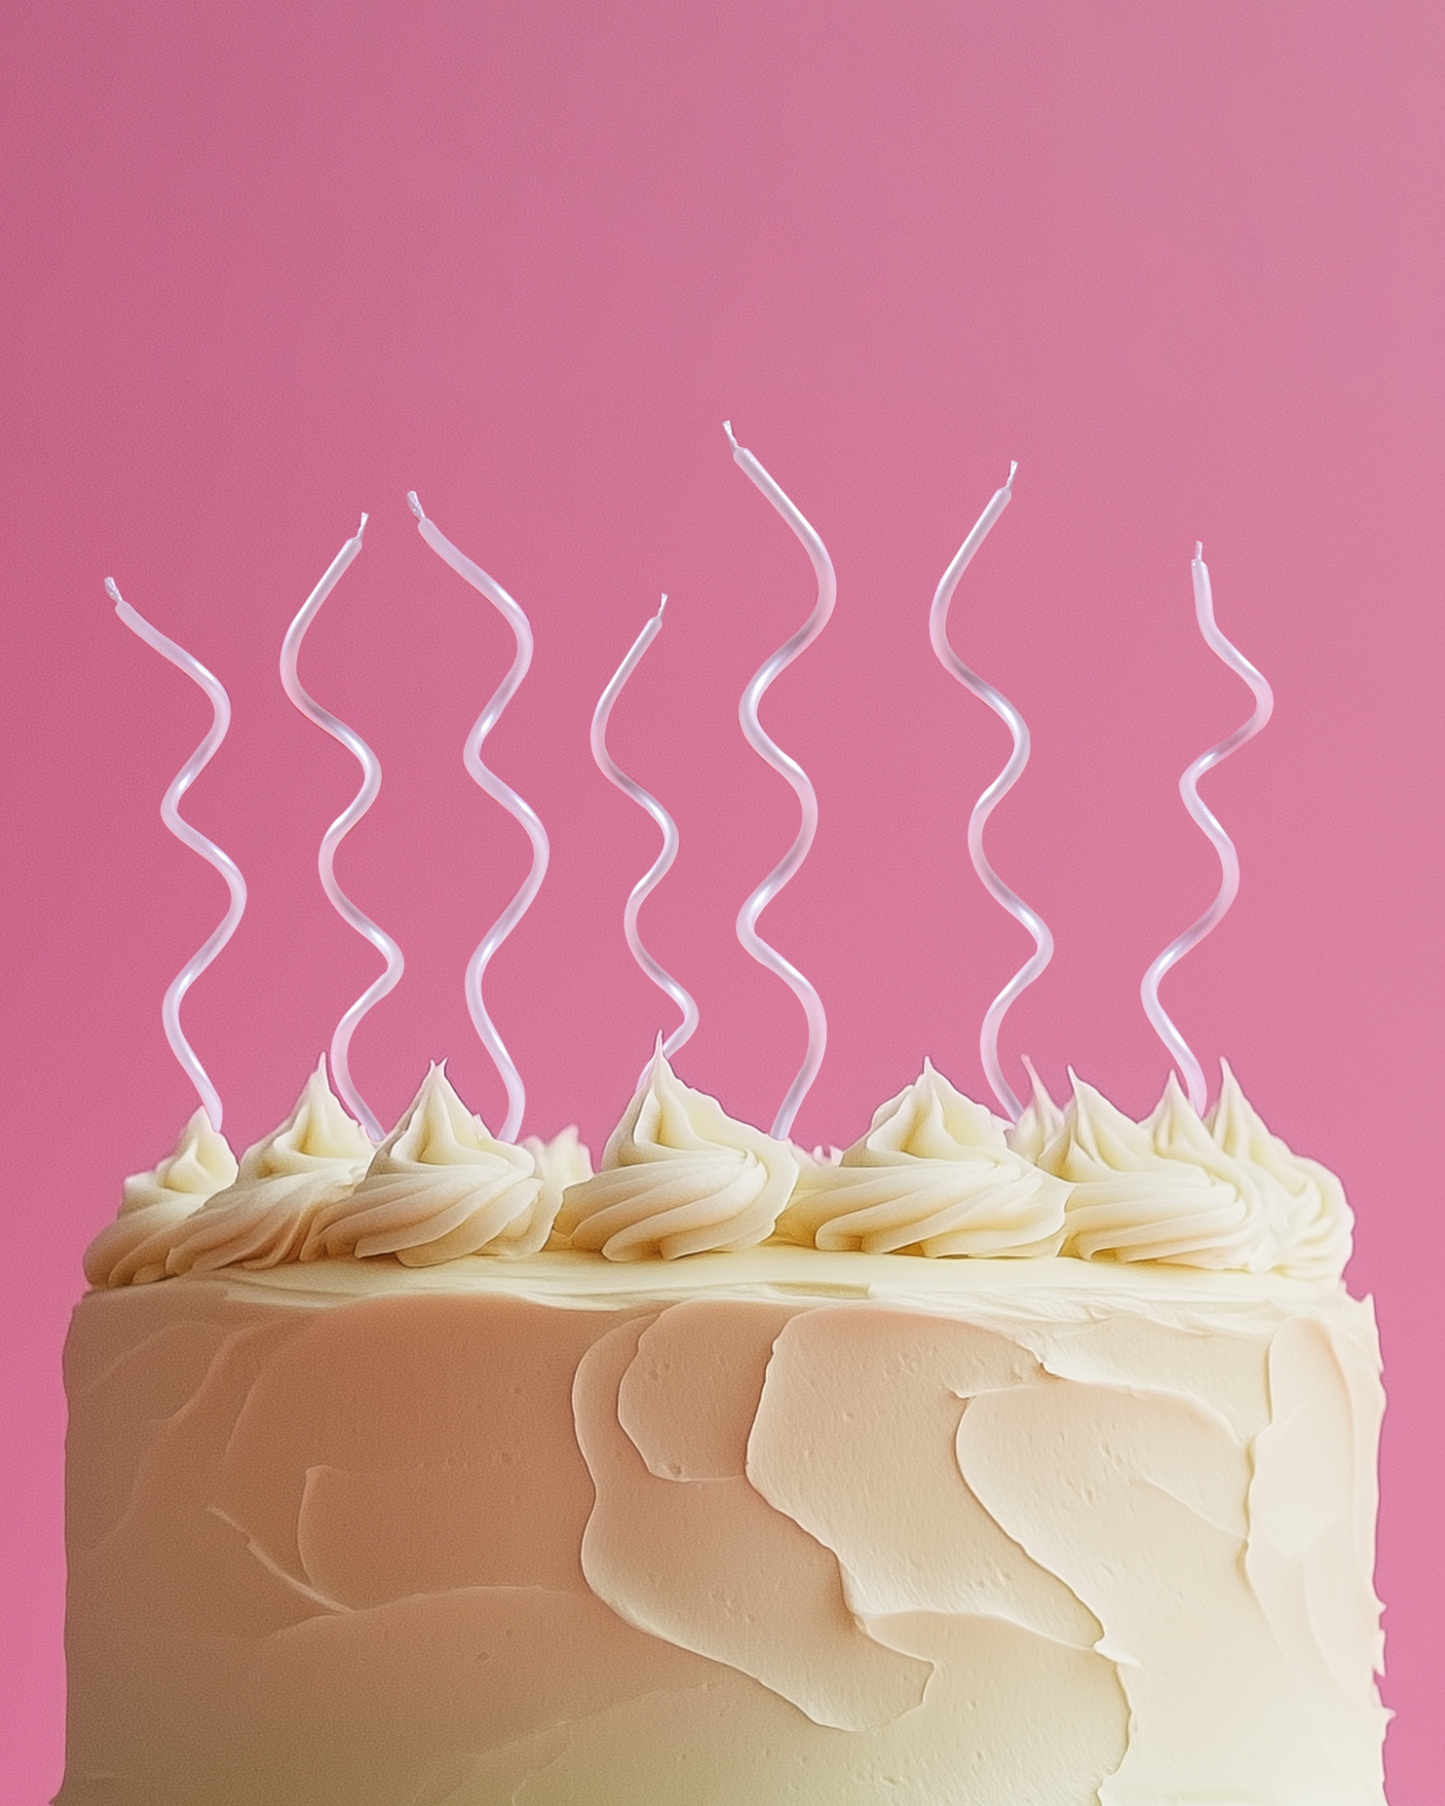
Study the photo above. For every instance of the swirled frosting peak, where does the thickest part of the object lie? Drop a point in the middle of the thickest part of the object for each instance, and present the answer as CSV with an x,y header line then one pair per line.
x,y
1315,1222
317,1155
132,1250
1160,1190
564,1160
933,1175
440,1186
1041,1122
679,1176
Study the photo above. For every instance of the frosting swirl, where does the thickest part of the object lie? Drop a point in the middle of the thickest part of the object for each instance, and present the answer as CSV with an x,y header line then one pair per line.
x,y
316,1156
1316,1222
1160,1190
440,1186
679,1176
132,1250
933,1175
1041,1122
564,1160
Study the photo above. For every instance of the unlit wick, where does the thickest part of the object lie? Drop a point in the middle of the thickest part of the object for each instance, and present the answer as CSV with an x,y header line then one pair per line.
x,y
196,841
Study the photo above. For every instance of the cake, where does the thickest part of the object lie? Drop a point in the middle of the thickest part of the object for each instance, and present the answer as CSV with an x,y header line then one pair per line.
x,y
977,1465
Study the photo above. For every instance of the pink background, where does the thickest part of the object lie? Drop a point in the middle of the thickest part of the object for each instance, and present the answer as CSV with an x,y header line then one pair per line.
x,y
269,268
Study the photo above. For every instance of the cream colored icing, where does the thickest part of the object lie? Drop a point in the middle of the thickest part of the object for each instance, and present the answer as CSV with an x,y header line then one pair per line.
x,y
679,1176
933,1175
1036,1533
439,1186
1042,1120
317,1155
1308,1201
1160,1190
564,1160
132,1250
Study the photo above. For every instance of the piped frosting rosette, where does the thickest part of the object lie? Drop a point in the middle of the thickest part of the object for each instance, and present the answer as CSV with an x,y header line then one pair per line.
x,y
1307,1199
1160,1190
564,1160
679,1176
315,1157
439,1187
934,1175
132,1250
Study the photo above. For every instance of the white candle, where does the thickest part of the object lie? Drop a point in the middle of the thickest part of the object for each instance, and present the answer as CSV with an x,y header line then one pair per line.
x,y
337,832
196,841
797,777
502,793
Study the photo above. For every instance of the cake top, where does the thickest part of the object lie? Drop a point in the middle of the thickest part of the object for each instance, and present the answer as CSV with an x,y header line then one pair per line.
x,y
935,1176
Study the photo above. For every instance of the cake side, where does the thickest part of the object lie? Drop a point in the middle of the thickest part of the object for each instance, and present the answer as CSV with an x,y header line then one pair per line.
x,y
766,1525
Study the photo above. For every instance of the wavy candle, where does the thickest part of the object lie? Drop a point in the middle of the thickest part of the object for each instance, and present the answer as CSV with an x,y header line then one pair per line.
x,y
337,832
1178,1048
500,793
196,841
984,807
797,777
654,875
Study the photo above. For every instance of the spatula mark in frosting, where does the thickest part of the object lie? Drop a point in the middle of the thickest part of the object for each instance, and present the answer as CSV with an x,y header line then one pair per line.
x,y
337,832
656,872
193,838
797,777
984,807
502,793
1179,1049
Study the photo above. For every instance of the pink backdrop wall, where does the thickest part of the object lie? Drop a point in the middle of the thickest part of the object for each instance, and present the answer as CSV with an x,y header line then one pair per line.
x,y
272,266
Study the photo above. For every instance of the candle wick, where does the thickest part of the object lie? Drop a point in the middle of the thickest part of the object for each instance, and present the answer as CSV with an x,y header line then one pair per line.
x,y
414,504
362,528
728,429
1199,551
661,605
114,593
1013,467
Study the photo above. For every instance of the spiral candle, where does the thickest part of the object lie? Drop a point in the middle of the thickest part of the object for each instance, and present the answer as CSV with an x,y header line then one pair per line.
x,y
503,794
984,807
797,777
1228,859
337,832
654,875
196,841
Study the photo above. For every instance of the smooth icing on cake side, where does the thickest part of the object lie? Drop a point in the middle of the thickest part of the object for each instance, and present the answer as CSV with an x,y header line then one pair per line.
x,y
780,1519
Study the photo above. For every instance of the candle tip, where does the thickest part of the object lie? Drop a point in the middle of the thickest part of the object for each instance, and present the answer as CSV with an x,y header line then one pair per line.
x,y
414,504
1199,551
362,528
661,605
728,429
1013,466
113,592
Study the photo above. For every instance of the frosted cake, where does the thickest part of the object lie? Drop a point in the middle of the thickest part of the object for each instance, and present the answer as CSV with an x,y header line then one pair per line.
x,y
979,1466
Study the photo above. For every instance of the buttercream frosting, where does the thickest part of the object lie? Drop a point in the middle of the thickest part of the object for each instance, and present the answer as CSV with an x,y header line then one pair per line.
x,y
564,1160
132,1250
679,1176
934,1175
1041,1121
438,1187
1314,1221
317,1155
1160,1190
